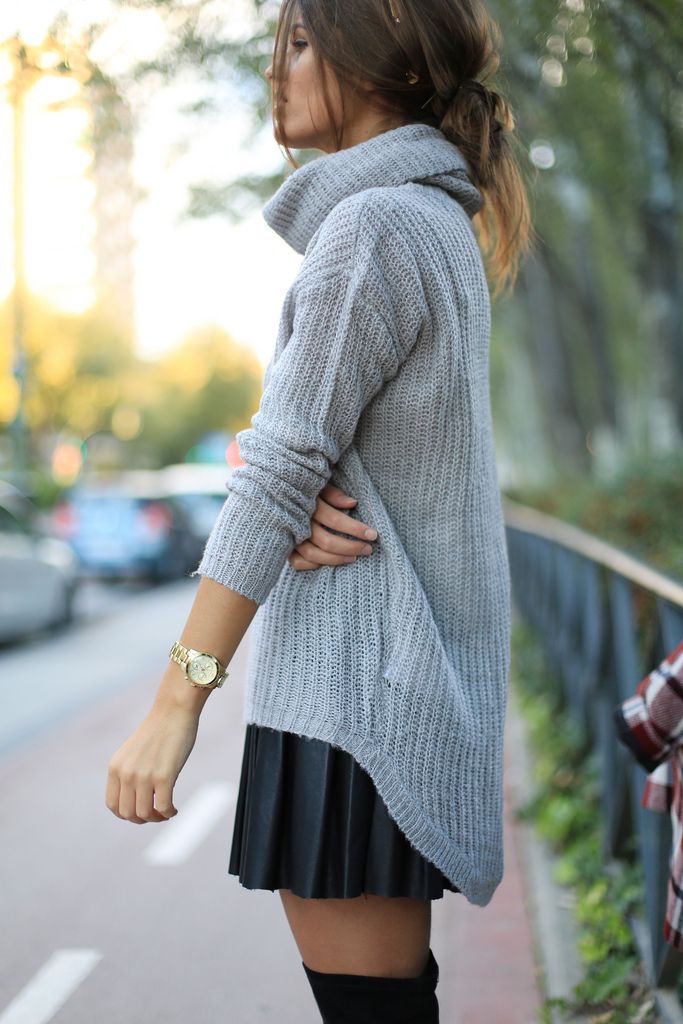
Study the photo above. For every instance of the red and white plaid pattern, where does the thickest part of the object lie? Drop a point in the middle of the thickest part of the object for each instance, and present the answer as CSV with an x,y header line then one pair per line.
x,y
650,724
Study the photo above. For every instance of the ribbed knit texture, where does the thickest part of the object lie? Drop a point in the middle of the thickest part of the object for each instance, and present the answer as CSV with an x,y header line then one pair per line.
x,y
379,383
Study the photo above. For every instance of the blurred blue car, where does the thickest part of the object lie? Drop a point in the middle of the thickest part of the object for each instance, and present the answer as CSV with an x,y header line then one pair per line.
x,y
128,527
201,490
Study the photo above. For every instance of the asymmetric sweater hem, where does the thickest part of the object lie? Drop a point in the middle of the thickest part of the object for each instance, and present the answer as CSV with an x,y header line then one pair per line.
x,y
421,833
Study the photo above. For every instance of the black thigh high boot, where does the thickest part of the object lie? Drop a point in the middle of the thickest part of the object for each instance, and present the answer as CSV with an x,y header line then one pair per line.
x,y
366,999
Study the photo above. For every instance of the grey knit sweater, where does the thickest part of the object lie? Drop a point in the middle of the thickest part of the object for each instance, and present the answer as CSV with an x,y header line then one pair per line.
x,y
379,383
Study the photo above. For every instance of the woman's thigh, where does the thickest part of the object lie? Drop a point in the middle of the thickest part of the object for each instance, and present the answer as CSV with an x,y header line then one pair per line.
x,y
381,936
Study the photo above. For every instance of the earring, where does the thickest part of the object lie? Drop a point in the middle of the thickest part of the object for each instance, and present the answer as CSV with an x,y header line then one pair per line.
x,y
394,12
412,76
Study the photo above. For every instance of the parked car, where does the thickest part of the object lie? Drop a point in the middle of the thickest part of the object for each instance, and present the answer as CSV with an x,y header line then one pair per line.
x,y
128,527
201,489
38,574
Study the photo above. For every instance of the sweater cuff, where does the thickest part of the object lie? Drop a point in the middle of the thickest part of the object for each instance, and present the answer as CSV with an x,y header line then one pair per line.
x,y
246,549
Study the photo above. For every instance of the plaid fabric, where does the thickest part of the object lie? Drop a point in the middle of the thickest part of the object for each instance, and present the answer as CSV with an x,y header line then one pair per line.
x,y
650,724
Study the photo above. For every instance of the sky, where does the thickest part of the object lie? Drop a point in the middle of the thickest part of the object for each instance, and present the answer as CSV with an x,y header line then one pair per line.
x,y
186,274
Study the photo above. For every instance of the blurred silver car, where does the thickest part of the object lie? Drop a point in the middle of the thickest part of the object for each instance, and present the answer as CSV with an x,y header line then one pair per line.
x,y
38,574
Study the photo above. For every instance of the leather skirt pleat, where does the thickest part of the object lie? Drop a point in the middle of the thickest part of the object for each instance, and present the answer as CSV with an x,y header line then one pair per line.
x,y
308,818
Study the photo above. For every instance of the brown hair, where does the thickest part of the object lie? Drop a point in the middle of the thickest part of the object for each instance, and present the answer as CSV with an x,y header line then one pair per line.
x,y
426,61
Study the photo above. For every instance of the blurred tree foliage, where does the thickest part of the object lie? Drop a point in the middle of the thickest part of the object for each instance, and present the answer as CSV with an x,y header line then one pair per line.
x,y
587,354
599,92
85,378
638,510
207,383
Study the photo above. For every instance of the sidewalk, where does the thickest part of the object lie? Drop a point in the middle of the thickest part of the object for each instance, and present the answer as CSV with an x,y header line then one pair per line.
x,y
187,939
489,972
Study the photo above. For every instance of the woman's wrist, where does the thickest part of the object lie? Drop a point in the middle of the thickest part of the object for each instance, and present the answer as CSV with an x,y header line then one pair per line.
x,y
176,692
218,619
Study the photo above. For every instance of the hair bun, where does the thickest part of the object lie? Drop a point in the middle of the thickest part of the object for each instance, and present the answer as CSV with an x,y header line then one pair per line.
x,y
473,87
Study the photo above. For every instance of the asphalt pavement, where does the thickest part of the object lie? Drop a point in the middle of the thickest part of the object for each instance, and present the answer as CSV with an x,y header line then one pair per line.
x,y
109,921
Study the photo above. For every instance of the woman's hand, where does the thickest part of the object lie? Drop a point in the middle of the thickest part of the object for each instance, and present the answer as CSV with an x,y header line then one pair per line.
x,y
323,547
144,769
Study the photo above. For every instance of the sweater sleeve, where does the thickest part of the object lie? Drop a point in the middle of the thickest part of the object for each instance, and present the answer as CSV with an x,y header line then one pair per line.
x,y
340,353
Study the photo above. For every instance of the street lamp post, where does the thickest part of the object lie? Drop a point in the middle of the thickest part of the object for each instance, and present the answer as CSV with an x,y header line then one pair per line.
x,y
19,300
29,63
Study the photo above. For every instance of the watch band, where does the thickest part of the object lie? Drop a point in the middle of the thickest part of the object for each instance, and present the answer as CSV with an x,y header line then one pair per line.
x,y
182,655
179,653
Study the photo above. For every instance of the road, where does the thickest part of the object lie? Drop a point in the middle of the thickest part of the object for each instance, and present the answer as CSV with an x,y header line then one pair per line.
x,y
117,922
109,921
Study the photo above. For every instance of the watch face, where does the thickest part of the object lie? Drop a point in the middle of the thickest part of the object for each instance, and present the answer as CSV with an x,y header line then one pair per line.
x,y
202,669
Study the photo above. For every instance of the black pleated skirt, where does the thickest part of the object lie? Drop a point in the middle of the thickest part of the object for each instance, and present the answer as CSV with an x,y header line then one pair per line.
x,y
308,818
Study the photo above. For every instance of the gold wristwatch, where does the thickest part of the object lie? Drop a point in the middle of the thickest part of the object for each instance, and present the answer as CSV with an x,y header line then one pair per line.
x,y
202,669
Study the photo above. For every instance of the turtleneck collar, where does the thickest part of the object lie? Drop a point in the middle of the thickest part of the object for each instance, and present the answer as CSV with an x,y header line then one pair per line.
x,y
411,152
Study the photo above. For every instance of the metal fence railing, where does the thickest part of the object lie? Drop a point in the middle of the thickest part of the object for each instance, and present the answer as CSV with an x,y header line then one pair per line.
x,y
605,620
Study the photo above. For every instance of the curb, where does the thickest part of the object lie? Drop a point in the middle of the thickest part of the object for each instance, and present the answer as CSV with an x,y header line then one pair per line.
x,y
550,905
668,1003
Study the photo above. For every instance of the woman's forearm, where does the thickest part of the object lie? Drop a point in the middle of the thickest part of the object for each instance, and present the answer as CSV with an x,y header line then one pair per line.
x,y
218,619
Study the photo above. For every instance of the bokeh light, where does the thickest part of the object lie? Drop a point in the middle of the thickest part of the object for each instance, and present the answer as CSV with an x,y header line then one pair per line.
x,y
126,423
67,461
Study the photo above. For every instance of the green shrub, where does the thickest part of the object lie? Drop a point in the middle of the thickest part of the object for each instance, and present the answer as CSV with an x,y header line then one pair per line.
x,y
639,511
565,809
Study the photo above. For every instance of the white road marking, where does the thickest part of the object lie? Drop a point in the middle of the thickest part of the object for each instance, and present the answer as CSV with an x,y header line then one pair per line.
x,y
179,837
48,990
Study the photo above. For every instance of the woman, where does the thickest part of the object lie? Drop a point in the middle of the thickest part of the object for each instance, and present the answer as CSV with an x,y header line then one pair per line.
x,y
377,683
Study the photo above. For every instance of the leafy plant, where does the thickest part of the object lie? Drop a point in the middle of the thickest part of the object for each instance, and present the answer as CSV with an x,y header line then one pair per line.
x,y
637,510
565,809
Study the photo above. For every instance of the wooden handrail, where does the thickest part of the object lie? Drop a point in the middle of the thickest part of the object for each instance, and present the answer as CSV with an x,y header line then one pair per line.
x,y
530,520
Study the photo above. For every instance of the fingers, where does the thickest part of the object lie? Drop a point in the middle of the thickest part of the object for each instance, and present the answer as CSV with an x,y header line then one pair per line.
x,y
318,555
298,561
131,797
333,518
144,801
163,798
333,546
127,801
111,798
324,547
335,496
